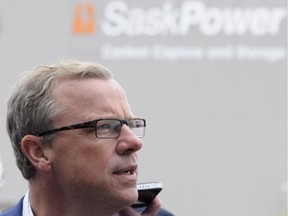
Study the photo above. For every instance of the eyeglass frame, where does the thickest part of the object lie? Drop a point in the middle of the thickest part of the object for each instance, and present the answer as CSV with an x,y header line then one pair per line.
x,y
91,124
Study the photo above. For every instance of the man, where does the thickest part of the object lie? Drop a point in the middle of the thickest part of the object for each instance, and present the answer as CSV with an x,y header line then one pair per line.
x,y
75,139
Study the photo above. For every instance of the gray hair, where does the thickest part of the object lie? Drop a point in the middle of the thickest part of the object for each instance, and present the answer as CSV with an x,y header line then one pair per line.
x,y
31,108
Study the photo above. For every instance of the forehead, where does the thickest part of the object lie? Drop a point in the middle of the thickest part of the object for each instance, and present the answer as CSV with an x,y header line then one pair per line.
x,y
86,98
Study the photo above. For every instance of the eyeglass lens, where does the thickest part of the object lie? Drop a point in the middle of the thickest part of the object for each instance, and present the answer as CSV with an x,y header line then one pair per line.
x,y
111,128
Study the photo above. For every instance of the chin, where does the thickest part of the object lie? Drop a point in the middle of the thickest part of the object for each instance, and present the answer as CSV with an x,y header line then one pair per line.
x,y
129,196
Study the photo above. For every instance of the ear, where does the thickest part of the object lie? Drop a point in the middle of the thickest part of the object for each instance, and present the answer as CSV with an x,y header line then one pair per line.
x,y
35,151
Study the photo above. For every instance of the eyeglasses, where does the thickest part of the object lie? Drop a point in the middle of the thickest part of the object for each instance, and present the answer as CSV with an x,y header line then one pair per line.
x,y
105,128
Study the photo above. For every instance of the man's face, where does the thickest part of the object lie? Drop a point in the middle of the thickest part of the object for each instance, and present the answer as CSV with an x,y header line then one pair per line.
x,y
102,170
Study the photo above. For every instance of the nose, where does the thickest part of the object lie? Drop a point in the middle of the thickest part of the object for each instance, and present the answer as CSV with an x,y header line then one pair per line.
x,y
128,142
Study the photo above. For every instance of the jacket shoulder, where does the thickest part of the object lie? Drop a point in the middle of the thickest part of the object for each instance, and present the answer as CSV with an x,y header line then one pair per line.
x,y
14,210
164,212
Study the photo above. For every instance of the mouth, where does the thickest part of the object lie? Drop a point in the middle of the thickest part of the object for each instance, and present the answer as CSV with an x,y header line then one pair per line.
x,y
127,171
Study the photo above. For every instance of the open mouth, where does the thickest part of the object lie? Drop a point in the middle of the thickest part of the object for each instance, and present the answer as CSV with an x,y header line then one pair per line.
x,y
131,170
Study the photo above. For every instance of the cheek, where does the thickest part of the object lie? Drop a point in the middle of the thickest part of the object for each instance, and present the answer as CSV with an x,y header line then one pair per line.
x,y
90,159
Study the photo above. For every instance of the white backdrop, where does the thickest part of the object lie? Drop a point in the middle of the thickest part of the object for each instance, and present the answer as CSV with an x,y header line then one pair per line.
x,y
209,77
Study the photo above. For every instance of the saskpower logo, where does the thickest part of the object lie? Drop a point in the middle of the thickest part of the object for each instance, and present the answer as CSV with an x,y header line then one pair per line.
x,y
121,19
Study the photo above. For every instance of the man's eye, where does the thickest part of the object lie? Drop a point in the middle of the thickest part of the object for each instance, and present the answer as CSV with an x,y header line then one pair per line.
x,y
103,127
108,128
116,128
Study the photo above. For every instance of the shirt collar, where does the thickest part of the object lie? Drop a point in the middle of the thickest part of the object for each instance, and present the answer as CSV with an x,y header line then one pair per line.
x,y
27,210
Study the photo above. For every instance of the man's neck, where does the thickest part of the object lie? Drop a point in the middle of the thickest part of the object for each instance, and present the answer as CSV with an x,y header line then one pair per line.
x,y
47,201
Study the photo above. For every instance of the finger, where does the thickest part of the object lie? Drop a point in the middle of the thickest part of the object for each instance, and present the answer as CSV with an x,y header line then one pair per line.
x,y
153,208
128,211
